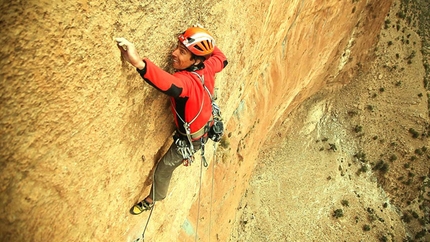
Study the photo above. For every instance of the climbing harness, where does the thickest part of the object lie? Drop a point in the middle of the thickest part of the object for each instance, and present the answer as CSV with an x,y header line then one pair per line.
x,y
215,131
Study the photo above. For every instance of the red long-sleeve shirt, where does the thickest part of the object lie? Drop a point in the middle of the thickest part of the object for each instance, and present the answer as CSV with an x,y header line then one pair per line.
x,y
186,90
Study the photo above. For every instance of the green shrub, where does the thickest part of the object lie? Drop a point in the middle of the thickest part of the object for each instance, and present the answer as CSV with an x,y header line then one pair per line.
x,y
420,234
415,214
366,227
418,152
383,238
387,23
381,166
338,213
406,218
401,15
414,133
362,169
358,128
345,203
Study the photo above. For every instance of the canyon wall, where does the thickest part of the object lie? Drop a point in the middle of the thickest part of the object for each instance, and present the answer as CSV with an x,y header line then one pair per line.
x,y
81,132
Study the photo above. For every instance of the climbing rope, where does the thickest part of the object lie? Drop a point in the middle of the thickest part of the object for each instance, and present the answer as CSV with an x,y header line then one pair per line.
x,y
212,190
204,164
198,203
152,208
149,217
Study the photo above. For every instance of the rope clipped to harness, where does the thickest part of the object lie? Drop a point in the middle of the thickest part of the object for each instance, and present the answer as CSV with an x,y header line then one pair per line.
x,y
186,147
215,131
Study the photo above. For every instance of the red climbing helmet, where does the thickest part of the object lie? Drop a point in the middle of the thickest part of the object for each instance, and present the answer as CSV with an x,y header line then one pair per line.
x,y
198,40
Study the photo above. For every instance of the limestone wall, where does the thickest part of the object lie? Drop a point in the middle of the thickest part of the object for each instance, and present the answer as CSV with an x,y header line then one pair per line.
x,y
75,120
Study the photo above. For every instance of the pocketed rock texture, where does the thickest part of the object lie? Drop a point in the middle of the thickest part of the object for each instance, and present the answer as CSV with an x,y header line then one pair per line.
x,y
81,132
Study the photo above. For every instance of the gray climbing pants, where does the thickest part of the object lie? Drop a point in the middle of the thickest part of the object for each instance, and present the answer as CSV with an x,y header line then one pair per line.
x,y
164,170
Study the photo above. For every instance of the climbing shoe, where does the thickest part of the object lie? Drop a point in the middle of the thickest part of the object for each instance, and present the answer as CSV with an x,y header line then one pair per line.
x,y
141,207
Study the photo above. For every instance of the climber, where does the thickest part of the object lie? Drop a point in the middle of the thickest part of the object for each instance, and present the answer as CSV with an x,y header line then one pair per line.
x,y
196,60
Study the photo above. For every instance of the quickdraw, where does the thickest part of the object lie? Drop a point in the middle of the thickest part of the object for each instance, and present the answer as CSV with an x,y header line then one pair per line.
x,y
186,149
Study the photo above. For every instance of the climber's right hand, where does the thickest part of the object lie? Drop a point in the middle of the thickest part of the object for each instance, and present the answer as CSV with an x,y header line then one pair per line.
x,y
129,53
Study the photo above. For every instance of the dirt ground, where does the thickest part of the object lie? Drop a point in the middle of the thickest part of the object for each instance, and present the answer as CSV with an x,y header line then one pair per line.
x,y
352,163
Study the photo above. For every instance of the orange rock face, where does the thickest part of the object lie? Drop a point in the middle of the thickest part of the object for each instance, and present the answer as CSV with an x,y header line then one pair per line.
x,y
76,120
